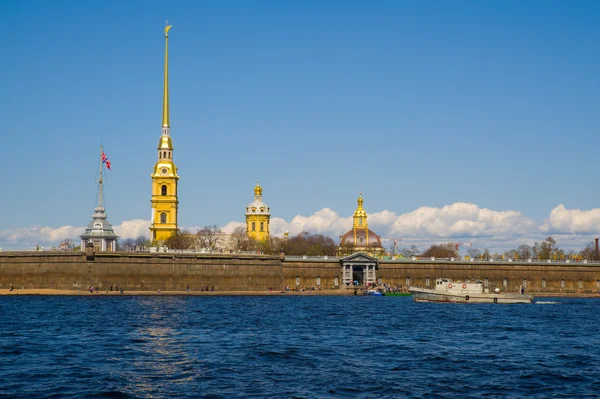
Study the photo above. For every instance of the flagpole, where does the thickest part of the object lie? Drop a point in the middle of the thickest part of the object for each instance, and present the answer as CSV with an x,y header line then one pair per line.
x,y
100,182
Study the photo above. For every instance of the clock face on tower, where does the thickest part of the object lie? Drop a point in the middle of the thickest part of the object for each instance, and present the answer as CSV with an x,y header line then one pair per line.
x,y
164,170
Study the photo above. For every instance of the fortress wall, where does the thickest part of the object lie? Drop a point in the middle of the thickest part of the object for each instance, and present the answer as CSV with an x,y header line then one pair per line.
x,y
558,277
231,272
140,271
308,271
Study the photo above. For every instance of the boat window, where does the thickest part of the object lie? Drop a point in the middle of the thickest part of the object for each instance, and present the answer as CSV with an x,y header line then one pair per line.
x,y
427,282
505,283
543,283
562,283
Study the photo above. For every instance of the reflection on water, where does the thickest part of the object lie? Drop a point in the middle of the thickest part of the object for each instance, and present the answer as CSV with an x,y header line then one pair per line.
x,y
173,347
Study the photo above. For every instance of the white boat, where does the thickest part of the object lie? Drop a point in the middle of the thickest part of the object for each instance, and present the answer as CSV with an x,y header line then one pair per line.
x,y
447,290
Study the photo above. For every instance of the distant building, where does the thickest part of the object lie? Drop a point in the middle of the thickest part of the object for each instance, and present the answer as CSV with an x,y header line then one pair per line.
x,y
164,200
258,216
99,232
360,238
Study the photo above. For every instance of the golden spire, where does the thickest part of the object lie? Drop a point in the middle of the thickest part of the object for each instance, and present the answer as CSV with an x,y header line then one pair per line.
x,y
166,88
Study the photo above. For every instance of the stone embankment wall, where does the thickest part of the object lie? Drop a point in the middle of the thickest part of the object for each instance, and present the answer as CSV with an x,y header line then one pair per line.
x,y
568,278
140,271
232,272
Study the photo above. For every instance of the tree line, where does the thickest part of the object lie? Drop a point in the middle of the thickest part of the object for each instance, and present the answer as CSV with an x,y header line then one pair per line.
x,y
545,250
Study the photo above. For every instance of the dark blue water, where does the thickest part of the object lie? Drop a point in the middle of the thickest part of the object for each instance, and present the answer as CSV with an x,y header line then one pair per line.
x,y
295,347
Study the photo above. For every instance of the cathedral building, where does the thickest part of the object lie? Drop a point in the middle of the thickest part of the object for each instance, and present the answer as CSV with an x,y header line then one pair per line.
x,y
258,216
164,177
360,238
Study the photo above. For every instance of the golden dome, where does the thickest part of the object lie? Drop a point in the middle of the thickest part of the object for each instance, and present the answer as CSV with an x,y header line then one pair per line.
x,y
165,143
257,189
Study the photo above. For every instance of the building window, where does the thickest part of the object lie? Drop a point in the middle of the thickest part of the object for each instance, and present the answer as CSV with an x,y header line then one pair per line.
x,y
336,281
297,280
486,283
360,221
524,282
379,281
262,226
580,283
427,282
543,283
597,283
163,217
164,154
562,283
163,190
253,226
318,281
407,282
170,155
505,283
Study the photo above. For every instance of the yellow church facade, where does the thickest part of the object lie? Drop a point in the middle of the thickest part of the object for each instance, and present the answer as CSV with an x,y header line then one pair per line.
x,y
164,201
258,217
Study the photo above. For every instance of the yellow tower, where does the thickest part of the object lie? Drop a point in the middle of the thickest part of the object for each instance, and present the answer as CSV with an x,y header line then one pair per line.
x,y
164,178
258,216
360,220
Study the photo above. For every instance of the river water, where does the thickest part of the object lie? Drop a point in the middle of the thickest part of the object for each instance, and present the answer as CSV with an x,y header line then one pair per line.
x,y
295,347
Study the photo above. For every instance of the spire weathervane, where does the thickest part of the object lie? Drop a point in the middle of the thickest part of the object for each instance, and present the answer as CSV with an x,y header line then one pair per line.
x,y
166,84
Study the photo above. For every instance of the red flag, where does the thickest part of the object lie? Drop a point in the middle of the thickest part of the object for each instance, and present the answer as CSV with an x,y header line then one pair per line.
x,y
105,160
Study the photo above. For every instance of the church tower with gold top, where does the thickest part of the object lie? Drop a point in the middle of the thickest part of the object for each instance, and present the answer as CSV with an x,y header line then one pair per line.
x,y
258,216
164,178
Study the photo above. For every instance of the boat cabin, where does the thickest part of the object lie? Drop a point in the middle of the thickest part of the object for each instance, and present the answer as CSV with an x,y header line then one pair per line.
x,y
458,287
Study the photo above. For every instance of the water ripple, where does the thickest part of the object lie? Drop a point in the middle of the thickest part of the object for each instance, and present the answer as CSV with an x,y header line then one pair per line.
x,y
294,347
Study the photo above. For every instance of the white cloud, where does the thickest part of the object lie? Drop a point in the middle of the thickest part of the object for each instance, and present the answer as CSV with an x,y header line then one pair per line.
x,y
563,220
27,238
458,222
132,228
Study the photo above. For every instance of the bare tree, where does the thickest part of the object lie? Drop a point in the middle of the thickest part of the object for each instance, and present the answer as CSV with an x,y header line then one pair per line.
x,y
524,251
474,253
441,251
180,240
410,252
128,244
209,237
241,241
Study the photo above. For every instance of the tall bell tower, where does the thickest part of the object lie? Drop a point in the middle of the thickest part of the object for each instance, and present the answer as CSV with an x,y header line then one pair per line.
x,y
164,178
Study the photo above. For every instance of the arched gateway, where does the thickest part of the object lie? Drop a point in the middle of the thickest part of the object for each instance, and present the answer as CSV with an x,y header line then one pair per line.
x,y
359,268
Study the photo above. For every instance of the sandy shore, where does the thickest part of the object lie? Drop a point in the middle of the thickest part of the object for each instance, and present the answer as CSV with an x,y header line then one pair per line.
x,y
45,291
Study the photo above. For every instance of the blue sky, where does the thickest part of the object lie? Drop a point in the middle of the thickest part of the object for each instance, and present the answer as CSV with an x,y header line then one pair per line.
x,y
414,103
